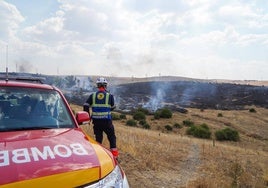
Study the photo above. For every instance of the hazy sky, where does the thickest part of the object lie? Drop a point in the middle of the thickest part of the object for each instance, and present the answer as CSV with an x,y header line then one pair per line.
x,y
222,39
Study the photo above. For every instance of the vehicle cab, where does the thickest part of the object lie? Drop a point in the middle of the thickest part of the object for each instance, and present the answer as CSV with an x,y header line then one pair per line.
x,y
42,145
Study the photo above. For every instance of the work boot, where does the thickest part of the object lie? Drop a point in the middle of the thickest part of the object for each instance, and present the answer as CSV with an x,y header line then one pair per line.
x,y
115,152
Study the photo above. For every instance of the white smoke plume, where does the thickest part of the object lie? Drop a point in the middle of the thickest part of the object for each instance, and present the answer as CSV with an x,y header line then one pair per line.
x,y
156,101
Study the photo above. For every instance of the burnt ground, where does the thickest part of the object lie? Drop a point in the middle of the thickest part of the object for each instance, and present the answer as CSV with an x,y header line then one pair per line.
x,y
176,93
184,94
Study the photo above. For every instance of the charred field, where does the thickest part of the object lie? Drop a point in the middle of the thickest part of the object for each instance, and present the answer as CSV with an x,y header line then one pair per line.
x,y
190,94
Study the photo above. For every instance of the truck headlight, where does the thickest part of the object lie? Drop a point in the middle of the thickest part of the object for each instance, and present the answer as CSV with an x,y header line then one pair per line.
x,y
115,179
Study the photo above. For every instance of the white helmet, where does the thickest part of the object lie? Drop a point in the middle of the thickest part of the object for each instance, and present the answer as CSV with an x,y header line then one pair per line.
x,y
101,82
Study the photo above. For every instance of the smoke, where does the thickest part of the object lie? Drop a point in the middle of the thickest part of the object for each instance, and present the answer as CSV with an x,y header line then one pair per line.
x,y
155,101
178,94
85,83
158,96
192,91
115,91
24,66
113,54
188,94
155,94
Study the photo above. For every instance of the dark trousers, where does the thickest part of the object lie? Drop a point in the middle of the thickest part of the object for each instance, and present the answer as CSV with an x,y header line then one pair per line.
x,y
104,125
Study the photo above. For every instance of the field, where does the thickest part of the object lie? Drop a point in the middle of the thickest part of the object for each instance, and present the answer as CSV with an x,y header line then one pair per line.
x,y
161,158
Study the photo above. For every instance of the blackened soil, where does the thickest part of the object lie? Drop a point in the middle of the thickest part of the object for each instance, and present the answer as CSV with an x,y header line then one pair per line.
x,y
177,94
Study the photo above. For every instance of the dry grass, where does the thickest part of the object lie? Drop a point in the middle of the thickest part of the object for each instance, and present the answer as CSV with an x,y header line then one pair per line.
x,y
158,158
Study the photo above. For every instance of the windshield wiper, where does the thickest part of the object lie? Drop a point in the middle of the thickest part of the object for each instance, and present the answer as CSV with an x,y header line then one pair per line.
x,y
26,128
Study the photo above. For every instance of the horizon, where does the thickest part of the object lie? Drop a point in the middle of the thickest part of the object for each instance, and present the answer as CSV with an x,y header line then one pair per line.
x,y
153,78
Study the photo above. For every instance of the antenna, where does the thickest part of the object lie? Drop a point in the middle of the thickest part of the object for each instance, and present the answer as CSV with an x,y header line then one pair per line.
x,y
7,63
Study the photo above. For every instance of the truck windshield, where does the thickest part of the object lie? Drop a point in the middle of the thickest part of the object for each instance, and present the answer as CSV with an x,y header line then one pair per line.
x,y
32,108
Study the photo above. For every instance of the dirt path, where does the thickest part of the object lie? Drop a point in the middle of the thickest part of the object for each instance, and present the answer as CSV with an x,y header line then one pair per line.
x,y
177,176
189,167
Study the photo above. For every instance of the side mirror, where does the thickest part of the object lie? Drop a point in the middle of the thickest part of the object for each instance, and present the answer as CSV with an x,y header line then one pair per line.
x,y
82,117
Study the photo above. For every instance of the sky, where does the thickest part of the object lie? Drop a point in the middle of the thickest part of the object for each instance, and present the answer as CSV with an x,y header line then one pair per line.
x,y
205,39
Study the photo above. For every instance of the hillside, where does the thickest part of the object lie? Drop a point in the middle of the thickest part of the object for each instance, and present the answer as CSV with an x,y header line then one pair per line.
x,y
189,94
161,158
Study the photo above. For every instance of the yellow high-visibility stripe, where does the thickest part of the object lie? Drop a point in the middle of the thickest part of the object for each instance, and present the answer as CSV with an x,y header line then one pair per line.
x,y
106,161
107,99
100,113
106,104
94,99
63,180
101,105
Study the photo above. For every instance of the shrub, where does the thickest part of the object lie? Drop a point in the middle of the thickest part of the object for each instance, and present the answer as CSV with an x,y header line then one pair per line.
x,y
227,134
205,126
220,115
157,115
139,115
163,113
115,116
144,110
177,125
142,122
146,126
123,116
187,123
168,127
131,123
252,110
201,131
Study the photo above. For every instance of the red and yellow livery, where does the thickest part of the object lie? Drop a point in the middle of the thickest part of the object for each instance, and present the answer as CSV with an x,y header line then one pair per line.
x,y
41,151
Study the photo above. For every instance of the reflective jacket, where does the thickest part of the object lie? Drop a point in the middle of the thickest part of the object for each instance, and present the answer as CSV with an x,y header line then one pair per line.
x,y
101,107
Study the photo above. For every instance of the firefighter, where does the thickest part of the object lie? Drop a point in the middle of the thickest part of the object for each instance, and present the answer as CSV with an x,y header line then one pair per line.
x,y
102,103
